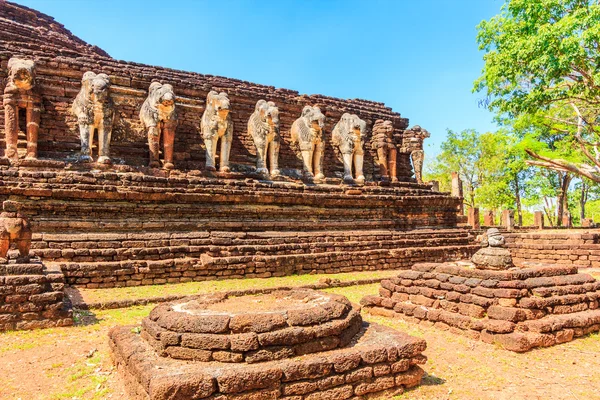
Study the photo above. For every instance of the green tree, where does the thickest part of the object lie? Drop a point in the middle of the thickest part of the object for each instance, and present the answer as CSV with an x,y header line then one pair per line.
x,y
491,166
541,63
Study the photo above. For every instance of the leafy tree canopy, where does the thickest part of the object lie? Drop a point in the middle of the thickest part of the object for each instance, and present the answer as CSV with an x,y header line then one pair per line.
x,y
541,69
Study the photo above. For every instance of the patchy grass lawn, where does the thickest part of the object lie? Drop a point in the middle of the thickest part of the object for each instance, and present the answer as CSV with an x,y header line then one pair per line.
x,y
190,288
74,362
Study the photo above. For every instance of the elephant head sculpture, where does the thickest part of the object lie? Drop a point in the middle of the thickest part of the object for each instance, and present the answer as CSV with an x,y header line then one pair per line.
x,y
263,126
159,117
348,136
307,133
216,124
14,228
20,92
94,110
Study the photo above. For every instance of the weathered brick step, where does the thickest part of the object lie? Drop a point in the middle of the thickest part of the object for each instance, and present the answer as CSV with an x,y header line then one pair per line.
x,y
124,246
255,237
81,254
111,186
147,272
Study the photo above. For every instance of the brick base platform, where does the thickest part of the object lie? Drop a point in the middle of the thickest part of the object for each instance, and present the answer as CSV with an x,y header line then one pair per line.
x,y
31,297
518,309
133,226
380,361
290,344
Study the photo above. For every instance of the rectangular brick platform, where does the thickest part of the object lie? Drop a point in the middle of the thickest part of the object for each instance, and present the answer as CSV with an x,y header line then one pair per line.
x,y
31,297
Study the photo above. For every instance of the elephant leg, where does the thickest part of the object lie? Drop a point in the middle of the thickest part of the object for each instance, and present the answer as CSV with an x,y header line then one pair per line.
x,y
85,134
274,157
261,158
382,161
307,156
154,146
4,244
24,242
318,161
392,164
358,168
103,145
211,146
225,149
347,159
11,131
169,141
33,126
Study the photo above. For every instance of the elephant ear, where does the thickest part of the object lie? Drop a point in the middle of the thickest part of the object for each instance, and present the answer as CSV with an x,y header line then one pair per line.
x,y
307,110
154,86
12,62
210,98
259,105
104,77
363,128
88,76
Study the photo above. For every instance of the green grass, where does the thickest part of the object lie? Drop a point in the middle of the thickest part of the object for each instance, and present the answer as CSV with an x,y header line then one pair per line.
x,y
190,288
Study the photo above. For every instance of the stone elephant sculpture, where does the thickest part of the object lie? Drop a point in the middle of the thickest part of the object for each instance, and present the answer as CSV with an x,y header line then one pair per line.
x,y
159,117
307,134
383,142
217,124
263,126
14,228
348,136
95,111
21,92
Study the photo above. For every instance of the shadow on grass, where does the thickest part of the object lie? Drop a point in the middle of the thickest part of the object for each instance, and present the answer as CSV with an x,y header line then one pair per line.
x,y
84,318
432,380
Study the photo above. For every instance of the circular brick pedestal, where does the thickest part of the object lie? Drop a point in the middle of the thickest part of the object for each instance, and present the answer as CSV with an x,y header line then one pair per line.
x,y
291,344
265,327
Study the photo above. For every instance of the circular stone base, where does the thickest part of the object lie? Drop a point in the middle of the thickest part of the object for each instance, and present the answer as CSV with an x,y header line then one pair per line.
x,y
264,327
496,258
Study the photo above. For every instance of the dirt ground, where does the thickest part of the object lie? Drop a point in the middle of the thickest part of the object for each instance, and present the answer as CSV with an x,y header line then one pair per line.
x,y
74,362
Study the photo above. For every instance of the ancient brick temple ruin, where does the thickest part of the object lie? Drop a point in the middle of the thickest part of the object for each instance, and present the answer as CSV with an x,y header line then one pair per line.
x,y
126,174
180,190
295,344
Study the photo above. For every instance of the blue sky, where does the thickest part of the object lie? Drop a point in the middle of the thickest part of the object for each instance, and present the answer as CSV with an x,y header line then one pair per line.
x,y
419,57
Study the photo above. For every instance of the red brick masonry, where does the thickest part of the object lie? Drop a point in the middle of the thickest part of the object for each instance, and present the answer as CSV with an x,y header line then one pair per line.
x,y
284,349
519,309
31,297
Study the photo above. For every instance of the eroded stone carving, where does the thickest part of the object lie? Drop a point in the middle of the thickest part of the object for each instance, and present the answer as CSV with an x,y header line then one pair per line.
x,y
14,228
383,143
307,133
216,124
417,155
94,110
349,136
21,93
492,255
159,117
263,126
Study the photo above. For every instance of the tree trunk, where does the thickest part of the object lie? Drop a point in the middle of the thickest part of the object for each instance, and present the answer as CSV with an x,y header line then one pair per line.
x,y
562,198
583,200
518,201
